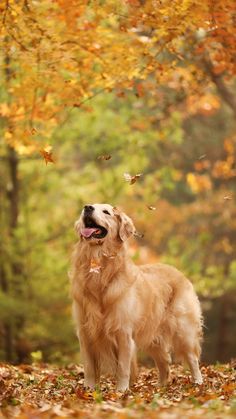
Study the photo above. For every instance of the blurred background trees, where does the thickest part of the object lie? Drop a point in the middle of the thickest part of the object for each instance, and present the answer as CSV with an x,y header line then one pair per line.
x,y
150,85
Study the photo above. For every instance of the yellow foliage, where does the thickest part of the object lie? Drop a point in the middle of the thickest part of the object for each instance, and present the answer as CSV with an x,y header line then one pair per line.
x,y
229,146
61,52
226,168
206,104
4,109
199,183
7,135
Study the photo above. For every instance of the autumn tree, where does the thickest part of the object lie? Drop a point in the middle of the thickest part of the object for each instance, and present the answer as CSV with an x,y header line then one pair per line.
x,y
60,55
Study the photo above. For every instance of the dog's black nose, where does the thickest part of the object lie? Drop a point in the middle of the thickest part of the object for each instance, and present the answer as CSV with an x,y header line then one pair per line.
x,y
88,208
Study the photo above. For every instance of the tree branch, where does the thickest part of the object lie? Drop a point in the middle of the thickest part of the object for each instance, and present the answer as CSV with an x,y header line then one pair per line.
x,y
223,90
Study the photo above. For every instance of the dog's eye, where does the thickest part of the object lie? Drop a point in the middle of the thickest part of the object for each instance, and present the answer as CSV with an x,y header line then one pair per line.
x,y
106,212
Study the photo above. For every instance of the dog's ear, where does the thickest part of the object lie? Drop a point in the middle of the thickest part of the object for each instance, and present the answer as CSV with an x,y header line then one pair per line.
x,y
77,226
126,228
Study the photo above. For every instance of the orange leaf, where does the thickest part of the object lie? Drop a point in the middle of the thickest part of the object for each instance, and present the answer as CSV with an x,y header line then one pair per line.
x,y
47,155
139,89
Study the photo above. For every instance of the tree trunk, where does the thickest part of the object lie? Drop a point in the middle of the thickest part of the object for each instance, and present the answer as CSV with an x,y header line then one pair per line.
x,y
7,326
13,199
12,196
13,193
223,329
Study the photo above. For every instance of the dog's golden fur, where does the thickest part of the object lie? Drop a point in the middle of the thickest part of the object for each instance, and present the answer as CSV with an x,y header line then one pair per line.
x,y
120,306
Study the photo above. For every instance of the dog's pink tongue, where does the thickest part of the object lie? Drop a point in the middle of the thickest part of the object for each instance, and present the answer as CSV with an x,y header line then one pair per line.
x,y
87,232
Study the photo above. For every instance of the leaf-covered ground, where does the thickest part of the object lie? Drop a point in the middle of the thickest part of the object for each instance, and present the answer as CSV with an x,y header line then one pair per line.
x,y
46,391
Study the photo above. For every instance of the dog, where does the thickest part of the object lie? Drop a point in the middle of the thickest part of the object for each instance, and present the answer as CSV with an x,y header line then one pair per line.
x,y
118,306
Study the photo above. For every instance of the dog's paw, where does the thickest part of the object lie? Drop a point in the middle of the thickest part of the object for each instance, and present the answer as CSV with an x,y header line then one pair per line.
x,y
122,386
198,381
122,389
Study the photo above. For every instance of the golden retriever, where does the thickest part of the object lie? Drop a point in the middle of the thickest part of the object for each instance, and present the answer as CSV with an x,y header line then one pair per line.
x,y
118,306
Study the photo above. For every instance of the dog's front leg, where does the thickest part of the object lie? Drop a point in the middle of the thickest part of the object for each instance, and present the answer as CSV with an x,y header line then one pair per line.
x,y
126,347
90,373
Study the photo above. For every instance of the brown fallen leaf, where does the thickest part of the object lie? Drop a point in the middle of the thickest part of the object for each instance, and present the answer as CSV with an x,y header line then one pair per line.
x,y
227,198
229,388
2,384
26,368
104,157
131,178
82,394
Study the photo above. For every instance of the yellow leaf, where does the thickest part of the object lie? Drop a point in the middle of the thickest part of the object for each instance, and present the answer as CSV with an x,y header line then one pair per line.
x,y
7,135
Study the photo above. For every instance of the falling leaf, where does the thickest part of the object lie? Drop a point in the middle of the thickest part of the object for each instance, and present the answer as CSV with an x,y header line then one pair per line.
x,y
46,152
132,179
151,208
139,235
139,90
203,156
104,157
33,131
120,93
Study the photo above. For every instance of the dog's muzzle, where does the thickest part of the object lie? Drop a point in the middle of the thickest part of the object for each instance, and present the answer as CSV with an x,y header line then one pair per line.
x,y
91,229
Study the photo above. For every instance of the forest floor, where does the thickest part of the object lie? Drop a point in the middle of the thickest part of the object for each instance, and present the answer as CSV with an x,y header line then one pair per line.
x,y
46,391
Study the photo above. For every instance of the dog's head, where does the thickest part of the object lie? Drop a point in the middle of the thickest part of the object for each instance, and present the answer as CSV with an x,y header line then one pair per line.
x,y
101,222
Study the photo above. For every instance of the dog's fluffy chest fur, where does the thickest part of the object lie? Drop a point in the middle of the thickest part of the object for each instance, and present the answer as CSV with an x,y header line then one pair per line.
x,y
105,306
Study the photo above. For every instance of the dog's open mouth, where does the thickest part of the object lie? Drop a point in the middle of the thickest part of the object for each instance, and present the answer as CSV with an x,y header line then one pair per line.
x,y
92,229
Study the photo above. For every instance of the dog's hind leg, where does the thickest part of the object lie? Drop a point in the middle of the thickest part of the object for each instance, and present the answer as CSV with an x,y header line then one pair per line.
x,y
188,350
162,360
193,363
